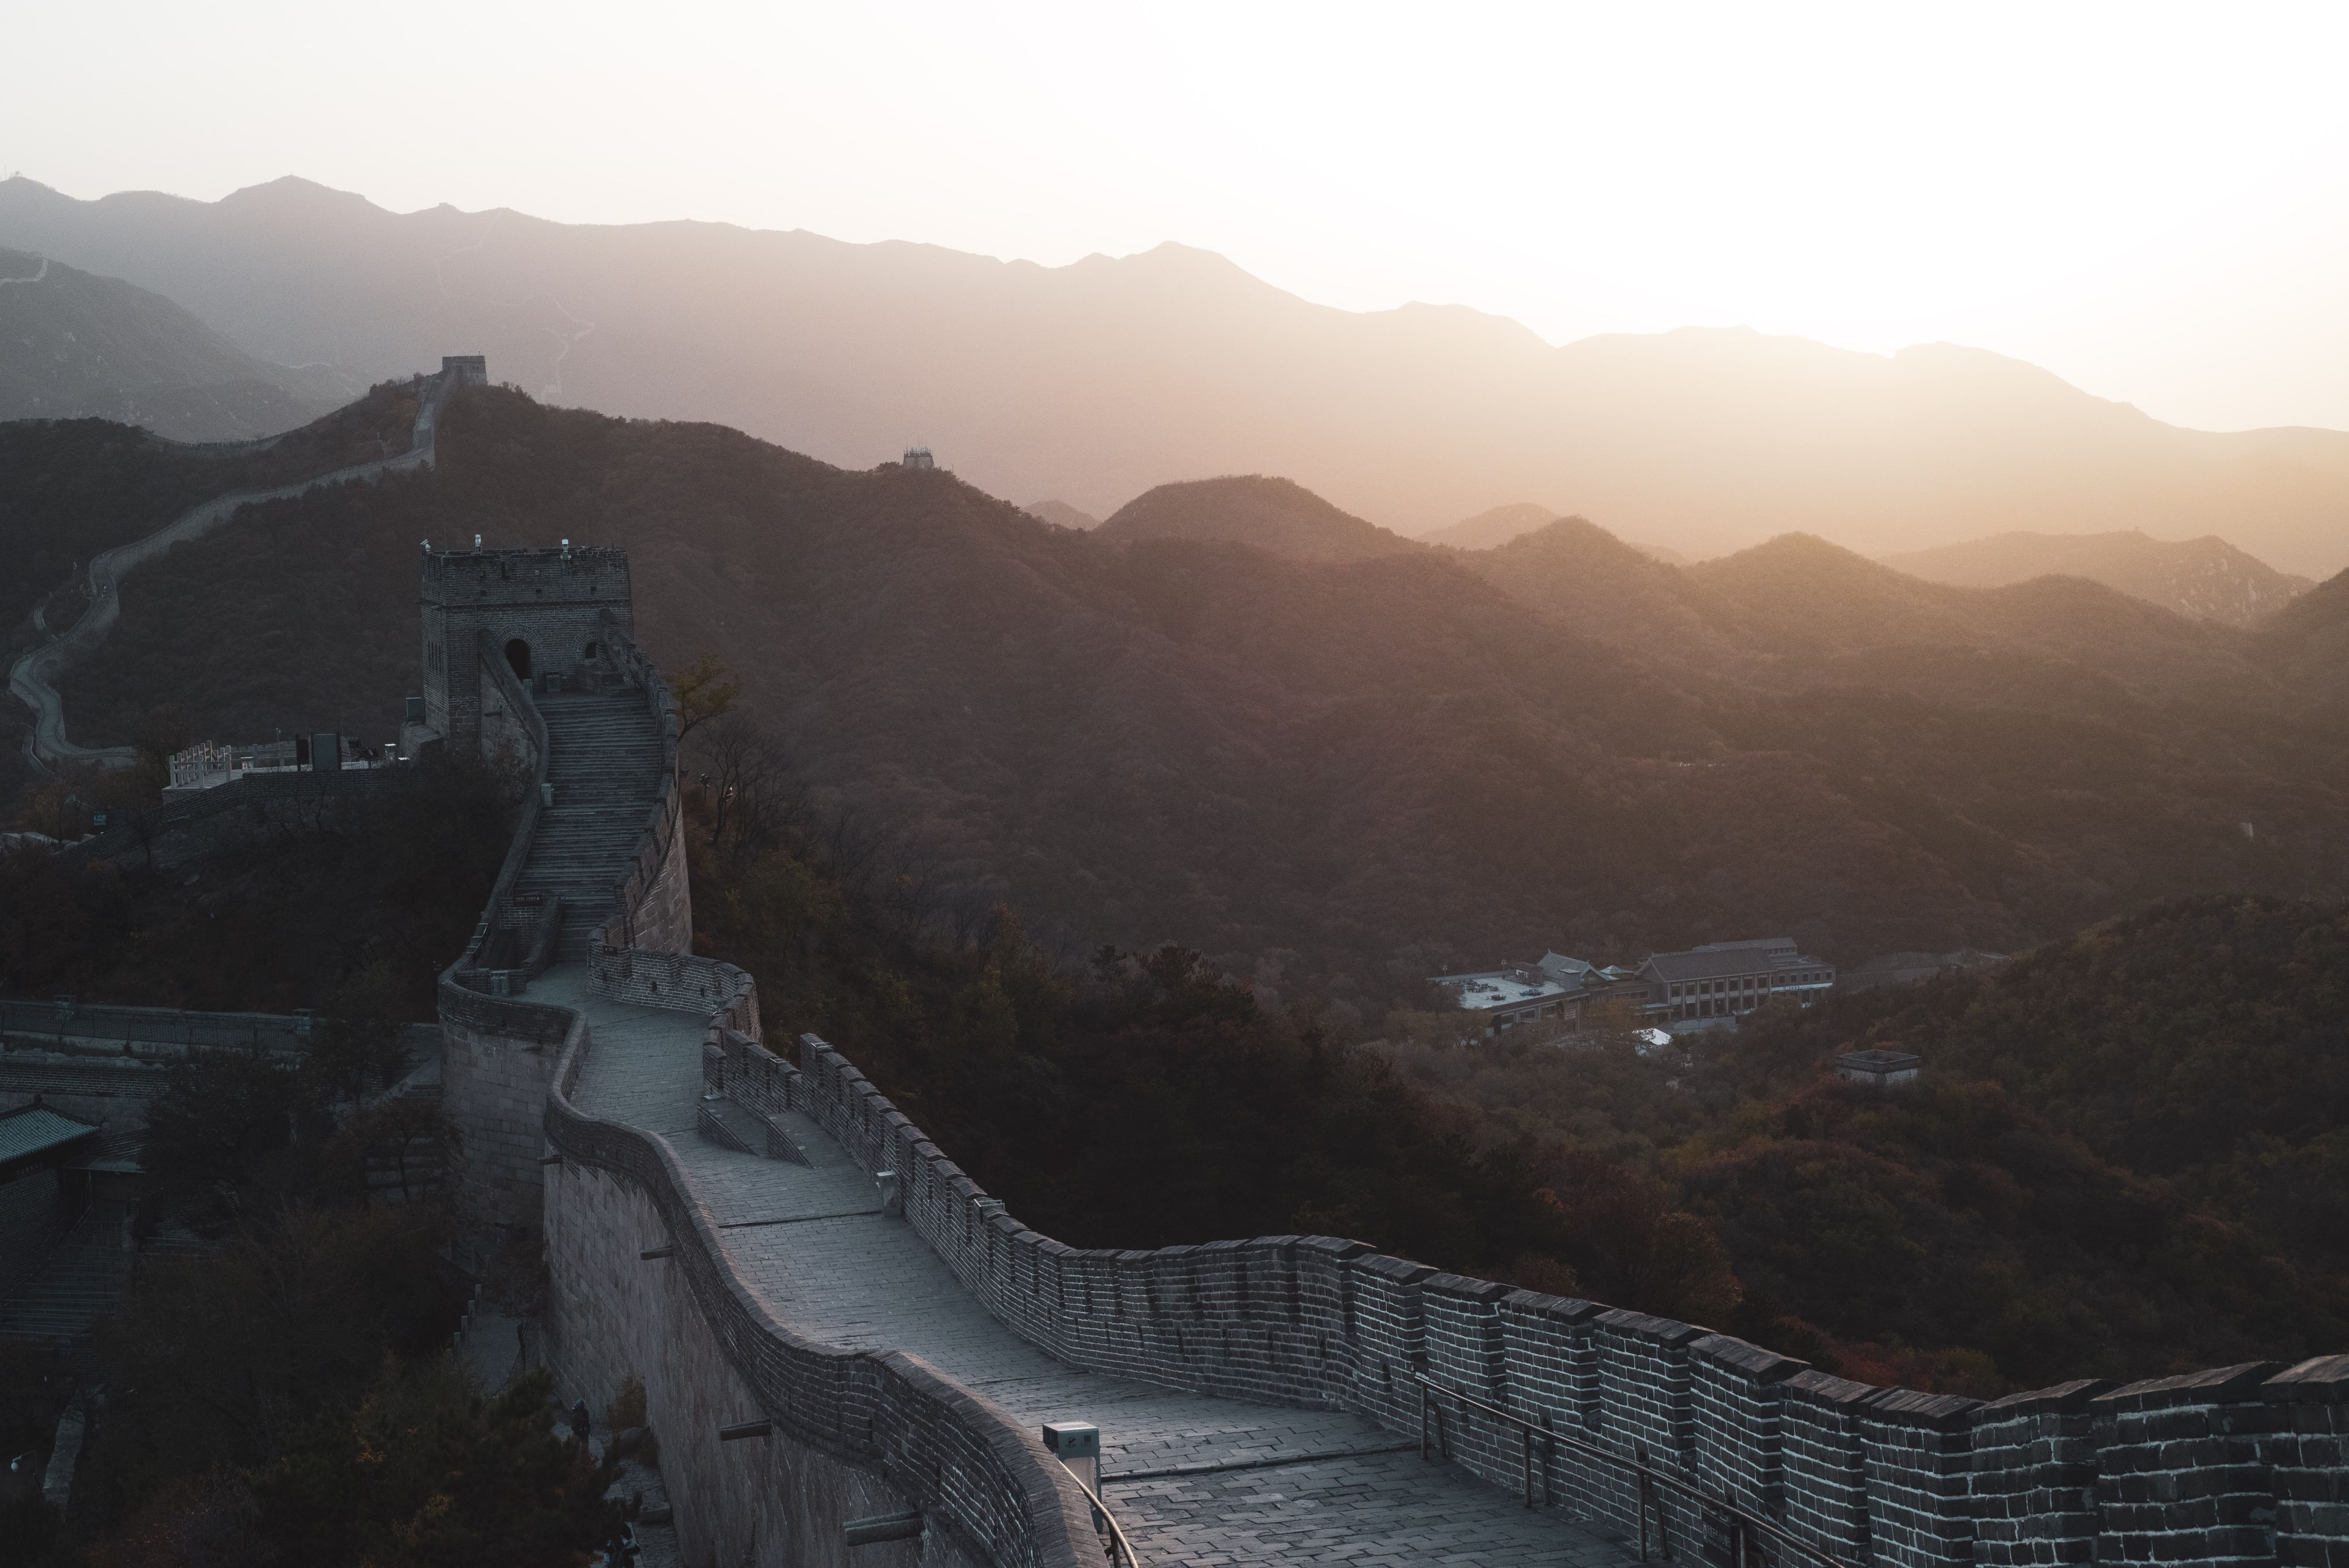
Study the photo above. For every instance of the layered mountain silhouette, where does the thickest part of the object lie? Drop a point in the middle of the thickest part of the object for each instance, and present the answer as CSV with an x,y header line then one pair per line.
x,y
1061,515
2203,579
1347,773
1494,526
1275,515
73,345
1096,381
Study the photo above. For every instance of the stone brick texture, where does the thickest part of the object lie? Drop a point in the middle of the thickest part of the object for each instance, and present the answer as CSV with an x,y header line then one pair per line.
x,y
498,1058
2238,1465
776,1499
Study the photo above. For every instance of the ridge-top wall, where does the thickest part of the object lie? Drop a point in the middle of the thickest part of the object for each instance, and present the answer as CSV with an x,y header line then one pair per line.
x,y
2239,1464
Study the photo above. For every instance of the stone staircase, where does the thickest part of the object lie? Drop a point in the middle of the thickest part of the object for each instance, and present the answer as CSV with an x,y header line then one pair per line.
x,y
603,762
77,1284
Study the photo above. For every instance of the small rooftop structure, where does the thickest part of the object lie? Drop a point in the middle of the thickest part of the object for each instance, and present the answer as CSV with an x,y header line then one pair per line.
x,y
1879,1067
33,1136
1522,993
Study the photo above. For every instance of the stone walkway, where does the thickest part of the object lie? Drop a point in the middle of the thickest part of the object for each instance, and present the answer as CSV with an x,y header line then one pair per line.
x,y
1193,1479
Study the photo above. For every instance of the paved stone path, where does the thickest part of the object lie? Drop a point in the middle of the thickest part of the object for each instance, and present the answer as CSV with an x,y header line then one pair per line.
x,y
1194,1480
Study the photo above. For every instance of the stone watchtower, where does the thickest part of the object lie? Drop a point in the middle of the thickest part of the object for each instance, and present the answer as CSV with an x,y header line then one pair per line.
x,y
544,613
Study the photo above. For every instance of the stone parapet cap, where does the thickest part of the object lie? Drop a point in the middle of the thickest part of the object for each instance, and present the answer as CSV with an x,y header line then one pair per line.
x,y
1663,1331
1934,1412
1400,1270
1815,1387
2061,1399
1460,1287
1557,1309
2219,1385
1754,1363
2320,1380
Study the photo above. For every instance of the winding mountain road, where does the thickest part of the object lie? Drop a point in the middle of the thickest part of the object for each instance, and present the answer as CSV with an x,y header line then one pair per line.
x,y
33,678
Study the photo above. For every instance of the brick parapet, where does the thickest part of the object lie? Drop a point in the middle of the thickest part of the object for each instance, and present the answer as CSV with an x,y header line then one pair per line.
x,y
963,1460
2310,1462
1825,1469
1893,1477
2035,1478
2184,1467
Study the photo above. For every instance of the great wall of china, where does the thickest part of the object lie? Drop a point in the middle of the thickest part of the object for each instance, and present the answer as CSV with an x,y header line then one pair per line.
x,y
833,1322
33,677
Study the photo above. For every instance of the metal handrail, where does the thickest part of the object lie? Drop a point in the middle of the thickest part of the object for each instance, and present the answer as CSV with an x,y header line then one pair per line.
x,y
1103,1518
1742,1523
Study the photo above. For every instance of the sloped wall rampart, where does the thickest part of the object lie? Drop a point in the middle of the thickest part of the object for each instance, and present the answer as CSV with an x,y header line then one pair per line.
x,y
959,1459
2247,1464
655,900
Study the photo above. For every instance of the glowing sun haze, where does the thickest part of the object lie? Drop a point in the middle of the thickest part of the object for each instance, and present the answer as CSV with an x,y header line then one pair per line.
x,y
2153,202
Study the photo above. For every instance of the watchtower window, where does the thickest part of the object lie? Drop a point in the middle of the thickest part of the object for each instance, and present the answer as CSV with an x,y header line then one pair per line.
x,y
594,651
518,655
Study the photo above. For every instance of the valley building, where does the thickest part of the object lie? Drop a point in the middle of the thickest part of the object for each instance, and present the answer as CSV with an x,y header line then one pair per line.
x,y
1723,980
1676,990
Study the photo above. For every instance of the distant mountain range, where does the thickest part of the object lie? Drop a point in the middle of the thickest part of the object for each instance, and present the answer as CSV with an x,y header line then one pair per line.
x,y
1275,515
74,345
1495,525
1061,515
1096,381
2202,580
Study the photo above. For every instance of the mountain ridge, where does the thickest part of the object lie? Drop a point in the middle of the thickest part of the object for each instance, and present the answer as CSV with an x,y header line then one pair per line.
x,y
1096,381
87,346
2203,579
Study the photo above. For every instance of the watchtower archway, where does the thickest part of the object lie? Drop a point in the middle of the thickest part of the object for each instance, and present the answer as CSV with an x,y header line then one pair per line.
x,y
518,656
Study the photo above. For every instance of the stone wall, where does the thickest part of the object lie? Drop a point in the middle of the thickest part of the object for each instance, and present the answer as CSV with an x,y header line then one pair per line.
x,y
2244,1464
655,901
615,1315
977,1475
716,992
259,805
496,1064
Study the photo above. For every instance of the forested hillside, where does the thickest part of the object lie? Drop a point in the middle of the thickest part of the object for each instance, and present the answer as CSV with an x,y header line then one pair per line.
x,y
2202,580
1333,778
81,347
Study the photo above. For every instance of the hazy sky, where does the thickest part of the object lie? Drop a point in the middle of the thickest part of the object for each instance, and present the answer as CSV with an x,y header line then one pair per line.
x,y
2153,201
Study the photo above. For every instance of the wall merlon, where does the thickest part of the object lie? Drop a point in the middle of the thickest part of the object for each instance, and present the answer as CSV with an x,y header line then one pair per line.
x,y
1750,1361
2219,1384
